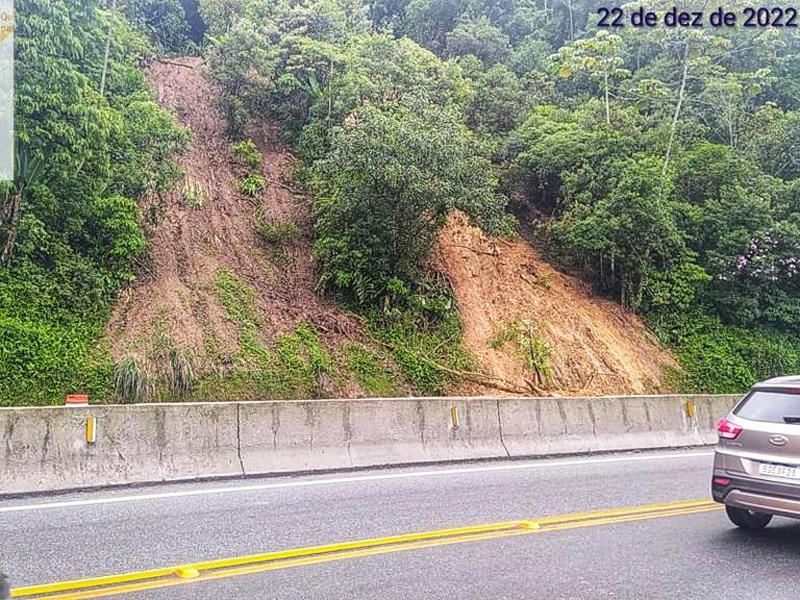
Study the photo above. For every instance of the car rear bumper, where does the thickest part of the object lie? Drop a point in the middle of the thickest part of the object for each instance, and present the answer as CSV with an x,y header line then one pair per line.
x,y
755,494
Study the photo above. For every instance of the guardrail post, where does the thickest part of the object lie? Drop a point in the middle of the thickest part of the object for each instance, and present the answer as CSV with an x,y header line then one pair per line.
x,y
5,588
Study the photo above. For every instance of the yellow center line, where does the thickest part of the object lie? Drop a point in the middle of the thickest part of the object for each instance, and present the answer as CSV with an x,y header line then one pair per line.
x,y
234,567
259,558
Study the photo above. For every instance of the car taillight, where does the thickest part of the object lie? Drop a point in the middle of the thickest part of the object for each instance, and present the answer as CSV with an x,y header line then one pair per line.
x,y
728,430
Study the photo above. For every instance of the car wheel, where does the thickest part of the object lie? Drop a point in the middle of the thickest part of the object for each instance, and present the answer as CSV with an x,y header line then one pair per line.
x,y
748,519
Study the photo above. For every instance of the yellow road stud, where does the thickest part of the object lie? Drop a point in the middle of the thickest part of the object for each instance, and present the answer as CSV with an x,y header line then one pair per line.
x,y
187,572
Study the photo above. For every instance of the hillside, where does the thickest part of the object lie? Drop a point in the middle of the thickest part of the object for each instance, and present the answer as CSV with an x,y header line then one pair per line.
x,y
211,277
277,216
208,245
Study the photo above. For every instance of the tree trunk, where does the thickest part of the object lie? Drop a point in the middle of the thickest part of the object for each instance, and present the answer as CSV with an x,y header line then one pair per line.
x,y
602,273
571,21
108,48
677,114
10,222
608,106
330,90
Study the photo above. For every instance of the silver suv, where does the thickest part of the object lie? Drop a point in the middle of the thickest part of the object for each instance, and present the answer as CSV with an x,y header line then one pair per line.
x,y
757,460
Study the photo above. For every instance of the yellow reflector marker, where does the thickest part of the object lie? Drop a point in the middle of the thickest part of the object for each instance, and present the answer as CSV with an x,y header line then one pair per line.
x,y
454,417
690,409
91,430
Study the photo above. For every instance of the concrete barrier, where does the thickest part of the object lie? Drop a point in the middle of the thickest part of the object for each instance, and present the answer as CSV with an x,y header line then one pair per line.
x,y
314,435
293,436
46,449
544,426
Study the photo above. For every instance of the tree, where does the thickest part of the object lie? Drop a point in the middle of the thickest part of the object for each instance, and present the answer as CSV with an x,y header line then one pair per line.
x,y
600,57
107,51
498,102
164,22
383,192
633,239
771,138
728,101
429,21
480,38
70,230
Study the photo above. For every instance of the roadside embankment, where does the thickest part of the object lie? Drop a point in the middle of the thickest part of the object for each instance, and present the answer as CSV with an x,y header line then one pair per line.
x,y
58,448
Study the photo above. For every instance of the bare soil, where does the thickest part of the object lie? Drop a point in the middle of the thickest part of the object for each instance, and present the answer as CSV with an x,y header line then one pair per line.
x,y
598,348
175,296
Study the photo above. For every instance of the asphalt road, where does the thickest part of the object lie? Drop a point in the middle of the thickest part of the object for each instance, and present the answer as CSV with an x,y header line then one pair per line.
x,y
695,555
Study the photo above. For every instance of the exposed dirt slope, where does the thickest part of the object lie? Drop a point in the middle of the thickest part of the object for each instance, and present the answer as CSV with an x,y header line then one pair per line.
x,y
597,346
191,242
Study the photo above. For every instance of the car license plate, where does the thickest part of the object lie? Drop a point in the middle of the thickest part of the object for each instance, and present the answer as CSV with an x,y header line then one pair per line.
x,y
780,471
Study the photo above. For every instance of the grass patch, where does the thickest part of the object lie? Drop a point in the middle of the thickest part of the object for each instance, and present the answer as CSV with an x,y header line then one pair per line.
x,y
154,370
236,298
280,232
427,347
293,368
373,373
193,193
131,380
296,366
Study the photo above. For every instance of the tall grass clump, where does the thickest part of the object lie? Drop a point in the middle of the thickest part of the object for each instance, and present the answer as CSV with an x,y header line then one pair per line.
x,y
130,380
181,375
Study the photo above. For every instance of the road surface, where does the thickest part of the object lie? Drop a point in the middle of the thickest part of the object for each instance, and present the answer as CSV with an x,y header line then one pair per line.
x,y
537,543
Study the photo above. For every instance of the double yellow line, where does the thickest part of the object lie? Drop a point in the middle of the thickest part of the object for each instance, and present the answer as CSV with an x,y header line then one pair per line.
x,y
99,587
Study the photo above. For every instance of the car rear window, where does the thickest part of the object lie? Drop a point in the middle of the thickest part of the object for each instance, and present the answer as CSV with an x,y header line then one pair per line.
x,y
773,406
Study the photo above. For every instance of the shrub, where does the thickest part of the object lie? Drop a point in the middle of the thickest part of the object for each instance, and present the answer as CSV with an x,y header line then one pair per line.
x,y
724,359
529,347
280,232
247,154
371,371
427,347
253,185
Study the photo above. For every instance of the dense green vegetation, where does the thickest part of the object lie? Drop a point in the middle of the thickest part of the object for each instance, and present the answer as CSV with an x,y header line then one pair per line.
x,y
90,141
661,165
